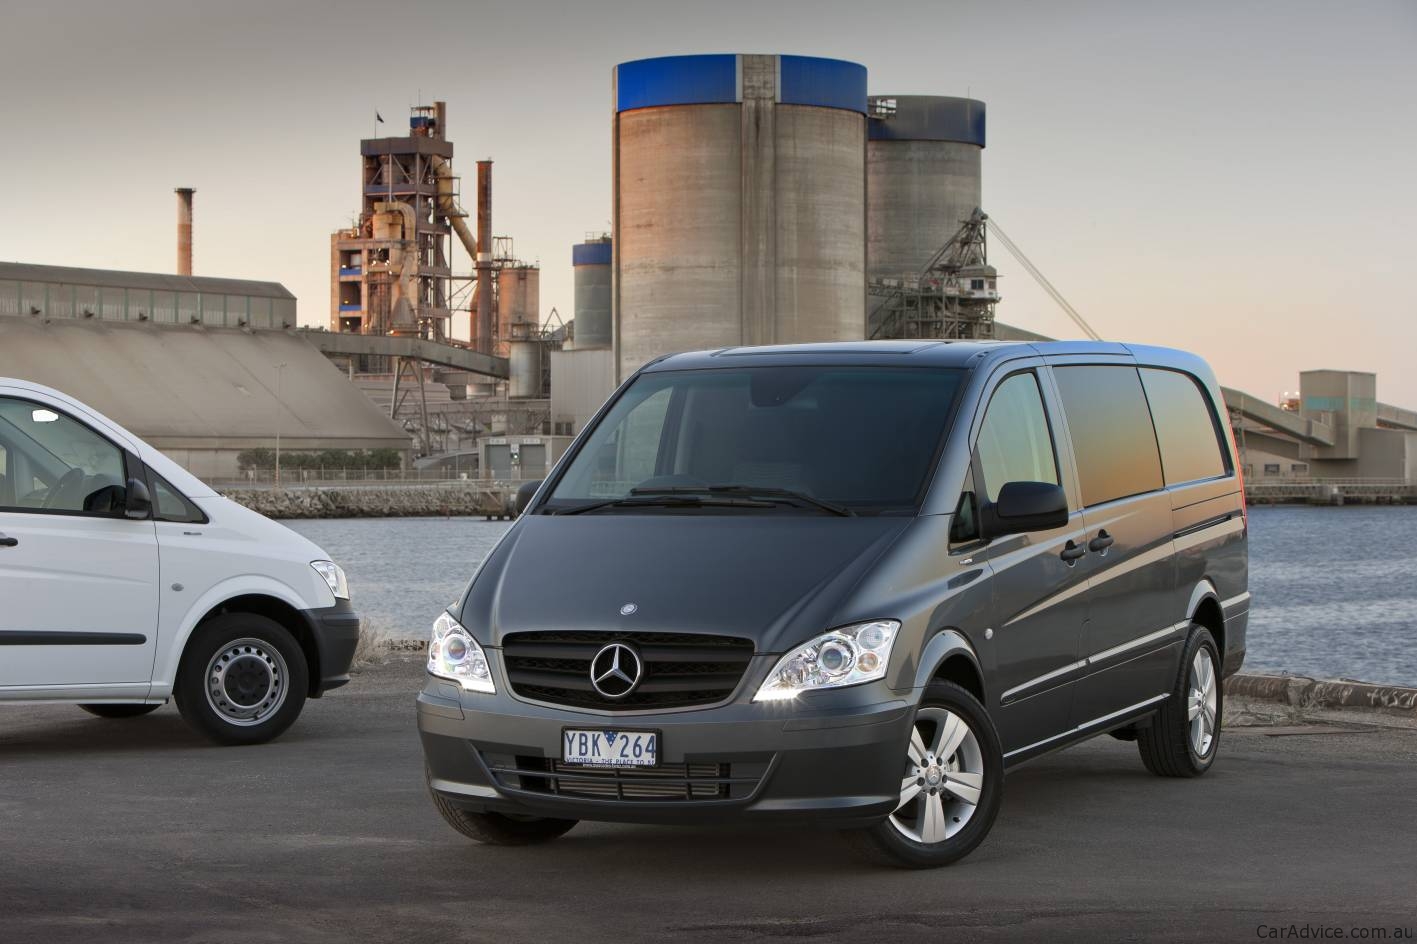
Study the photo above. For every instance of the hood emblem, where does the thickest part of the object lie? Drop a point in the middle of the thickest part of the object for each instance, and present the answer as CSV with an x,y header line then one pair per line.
x,y
616,670
629,609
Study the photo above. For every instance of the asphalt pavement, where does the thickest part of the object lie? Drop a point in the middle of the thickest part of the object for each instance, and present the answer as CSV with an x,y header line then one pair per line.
x,y
137,830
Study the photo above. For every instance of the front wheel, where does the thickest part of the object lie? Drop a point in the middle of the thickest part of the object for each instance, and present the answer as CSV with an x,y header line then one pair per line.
x,y
952,782
120,711
1183,738
243,679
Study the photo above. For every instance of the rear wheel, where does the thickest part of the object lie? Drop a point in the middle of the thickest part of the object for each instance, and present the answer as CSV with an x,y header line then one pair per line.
x,y
242,680
1183,738
120,711
952,782
496,829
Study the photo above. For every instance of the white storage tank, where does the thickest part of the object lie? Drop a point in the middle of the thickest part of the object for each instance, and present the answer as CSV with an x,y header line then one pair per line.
x,y
525,366
739,203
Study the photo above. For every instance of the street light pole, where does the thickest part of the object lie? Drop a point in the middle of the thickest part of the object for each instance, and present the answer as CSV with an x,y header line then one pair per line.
x,y
280,376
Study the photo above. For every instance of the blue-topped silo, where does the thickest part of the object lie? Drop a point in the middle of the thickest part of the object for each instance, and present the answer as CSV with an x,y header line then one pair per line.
x,y
739,202
591,261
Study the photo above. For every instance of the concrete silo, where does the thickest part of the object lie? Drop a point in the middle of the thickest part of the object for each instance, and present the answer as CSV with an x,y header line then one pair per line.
x,y
922,178
592,261
739,203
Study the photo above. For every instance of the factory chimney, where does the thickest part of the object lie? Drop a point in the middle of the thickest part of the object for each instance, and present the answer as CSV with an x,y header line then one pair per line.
x,y
184,230
482,336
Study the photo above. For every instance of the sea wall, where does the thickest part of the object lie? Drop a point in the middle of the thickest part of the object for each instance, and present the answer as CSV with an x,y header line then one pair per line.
x,y
393,501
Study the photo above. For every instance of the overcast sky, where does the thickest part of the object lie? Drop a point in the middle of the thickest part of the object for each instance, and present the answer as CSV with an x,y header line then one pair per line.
x,y
1235,178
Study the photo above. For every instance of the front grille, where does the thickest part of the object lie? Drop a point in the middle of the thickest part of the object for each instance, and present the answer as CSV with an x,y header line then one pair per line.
x,y
698,781
680,669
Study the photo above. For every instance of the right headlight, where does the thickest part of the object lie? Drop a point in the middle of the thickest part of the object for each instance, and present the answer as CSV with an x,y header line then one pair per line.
x,y
454,655
847,656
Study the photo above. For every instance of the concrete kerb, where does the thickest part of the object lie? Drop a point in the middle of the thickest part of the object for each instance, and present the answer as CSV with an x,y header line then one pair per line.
x,y
1303,693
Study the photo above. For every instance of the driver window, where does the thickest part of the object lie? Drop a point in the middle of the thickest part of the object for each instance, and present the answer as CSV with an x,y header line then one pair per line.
x,y
55,463
1014,443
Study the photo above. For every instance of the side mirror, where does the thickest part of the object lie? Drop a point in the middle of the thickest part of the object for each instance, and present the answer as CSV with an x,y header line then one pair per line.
x,y
1023,507
137,501
525,494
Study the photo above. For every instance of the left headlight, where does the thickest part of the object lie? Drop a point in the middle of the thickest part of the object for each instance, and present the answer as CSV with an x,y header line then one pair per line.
x,y
453,654
334,576
847,656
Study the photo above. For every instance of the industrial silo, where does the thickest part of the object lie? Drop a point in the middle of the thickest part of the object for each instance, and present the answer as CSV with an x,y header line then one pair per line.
x,y
922,178
739,203
591,260
518,304
525,381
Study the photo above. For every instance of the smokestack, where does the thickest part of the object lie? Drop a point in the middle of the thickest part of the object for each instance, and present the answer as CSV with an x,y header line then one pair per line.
x,y
440,118
483,334
184,230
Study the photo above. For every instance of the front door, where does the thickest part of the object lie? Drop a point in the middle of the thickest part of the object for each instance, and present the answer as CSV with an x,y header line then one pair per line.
x,y
78,581
1040,599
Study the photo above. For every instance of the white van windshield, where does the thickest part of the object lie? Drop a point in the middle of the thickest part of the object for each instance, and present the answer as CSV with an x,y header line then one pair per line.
x,y
840,440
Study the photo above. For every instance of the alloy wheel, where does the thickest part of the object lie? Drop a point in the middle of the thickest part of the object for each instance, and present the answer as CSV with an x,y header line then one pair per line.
x,y
1202,702
943,778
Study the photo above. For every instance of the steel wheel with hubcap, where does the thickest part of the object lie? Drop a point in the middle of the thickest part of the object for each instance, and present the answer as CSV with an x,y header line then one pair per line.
x,y
951,784
243,679
1184,734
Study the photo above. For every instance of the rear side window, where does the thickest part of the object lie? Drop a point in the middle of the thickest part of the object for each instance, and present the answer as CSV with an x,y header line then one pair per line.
x,y
1185,426
1111,431
1014,442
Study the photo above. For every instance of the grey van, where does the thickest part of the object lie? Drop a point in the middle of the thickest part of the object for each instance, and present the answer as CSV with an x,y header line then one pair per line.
x,y
848,583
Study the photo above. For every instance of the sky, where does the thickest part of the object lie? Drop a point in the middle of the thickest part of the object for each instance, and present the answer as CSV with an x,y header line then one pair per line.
x,y
1237,178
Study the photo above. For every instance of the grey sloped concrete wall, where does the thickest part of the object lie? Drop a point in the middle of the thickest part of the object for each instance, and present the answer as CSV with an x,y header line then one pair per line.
x,y
374,502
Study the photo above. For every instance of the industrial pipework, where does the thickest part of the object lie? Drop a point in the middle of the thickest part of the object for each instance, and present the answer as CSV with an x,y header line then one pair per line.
x,y
184,230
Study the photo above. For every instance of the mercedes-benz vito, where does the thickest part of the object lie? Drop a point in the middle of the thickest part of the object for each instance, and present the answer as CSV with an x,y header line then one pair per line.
x,y
126,581
852,584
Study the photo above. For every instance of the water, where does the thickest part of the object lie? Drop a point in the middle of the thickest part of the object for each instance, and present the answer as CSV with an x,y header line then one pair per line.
x,y
1335,589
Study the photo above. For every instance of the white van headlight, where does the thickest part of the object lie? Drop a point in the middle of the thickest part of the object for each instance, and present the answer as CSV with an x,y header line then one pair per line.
x,y
334,576
847,656
453,654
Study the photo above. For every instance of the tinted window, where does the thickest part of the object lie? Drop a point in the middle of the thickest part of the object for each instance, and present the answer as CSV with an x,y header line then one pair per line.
x,y
1111,430
1185,426
1014,443
58,463
865,437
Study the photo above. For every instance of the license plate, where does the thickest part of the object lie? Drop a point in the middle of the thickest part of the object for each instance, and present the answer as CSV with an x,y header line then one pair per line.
x,y
598,747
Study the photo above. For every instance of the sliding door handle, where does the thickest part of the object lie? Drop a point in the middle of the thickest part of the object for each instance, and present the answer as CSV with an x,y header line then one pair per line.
x,y
8,541
1100,543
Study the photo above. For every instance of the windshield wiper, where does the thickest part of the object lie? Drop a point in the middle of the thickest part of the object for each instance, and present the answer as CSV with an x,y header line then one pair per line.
x,y
750,492
652,499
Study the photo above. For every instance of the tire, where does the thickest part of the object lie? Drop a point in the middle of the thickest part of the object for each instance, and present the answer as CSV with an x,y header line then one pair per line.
x,y
1184,736
120,711
973,768
495,829
242,680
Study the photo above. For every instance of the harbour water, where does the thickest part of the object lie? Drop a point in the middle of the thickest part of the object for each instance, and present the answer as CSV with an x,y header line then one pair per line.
x,y
1335,589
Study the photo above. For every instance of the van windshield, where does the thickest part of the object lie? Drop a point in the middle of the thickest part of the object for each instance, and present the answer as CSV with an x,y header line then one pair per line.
x,y
811,439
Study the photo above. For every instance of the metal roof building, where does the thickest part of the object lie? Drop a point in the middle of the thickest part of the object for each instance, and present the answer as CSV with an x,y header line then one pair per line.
x,y
201,388
110,295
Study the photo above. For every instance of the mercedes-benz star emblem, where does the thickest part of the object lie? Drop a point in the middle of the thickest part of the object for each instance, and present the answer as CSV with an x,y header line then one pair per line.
x,y
629,609
616,670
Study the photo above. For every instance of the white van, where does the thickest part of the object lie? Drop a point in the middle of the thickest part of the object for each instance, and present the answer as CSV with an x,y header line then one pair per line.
x,y
125,581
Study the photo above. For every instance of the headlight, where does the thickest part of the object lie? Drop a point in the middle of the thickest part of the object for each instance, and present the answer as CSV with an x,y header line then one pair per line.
x,y
334,576
453,654
847,656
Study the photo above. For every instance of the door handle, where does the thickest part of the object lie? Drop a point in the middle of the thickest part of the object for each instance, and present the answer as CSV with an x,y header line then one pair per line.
x,y
1072,552
1100,543
8,541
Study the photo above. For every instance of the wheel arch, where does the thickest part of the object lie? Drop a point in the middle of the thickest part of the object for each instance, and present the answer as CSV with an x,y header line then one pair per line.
x,y
1204,608
260,597
950,657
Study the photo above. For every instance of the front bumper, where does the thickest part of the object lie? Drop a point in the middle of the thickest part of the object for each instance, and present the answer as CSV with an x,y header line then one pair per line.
x,y
335,630
832,756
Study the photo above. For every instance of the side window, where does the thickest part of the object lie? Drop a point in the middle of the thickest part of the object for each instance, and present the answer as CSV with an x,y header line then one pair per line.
x,y
1014,443
172,505
57,463
1111,429
1185,426
7,495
